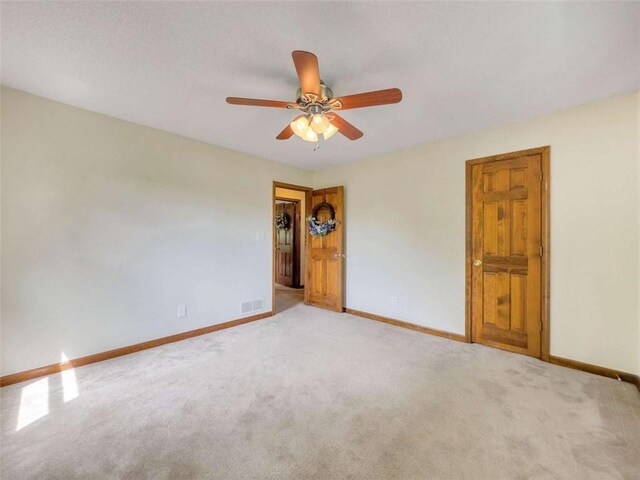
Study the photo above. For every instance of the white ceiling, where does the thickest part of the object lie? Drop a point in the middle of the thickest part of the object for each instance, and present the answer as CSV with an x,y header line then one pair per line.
x,y
461,66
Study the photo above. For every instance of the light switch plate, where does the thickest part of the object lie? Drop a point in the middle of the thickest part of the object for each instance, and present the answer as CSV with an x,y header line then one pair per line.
x,y
182,311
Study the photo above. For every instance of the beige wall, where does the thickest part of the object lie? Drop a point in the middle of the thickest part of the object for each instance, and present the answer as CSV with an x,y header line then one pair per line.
x,y
406,228
108,226
298,195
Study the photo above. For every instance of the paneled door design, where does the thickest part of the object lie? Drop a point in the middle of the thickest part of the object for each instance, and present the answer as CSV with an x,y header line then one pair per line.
x,y
287,248
325,256
505,250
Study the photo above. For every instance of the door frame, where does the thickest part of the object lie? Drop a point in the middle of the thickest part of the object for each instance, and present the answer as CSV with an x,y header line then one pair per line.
x,y
545,153
306,213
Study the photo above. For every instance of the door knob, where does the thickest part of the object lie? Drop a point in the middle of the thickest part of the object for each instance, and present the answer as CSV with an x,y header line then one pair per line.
x,y
477,262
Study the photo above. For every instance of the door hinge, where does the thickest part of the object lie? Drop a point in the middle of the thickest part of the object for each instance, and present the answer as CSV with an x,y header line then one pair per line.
x,y
541,327
541,250
541,175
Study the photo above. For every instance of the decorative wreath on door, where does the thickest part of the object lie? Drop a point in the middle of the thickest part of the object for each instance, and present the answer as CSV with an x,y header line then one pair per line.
x,y
283,221
321,229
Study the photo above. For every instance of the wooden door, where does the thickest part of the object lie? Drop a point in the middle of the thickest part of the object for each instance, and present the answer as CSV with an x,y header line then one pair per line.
x,y
325,255
287,248
506,246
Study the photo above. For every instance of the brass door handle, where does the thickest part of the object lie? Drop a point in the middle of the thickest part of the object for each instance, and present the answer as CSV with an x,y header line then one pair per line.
x,y
477,262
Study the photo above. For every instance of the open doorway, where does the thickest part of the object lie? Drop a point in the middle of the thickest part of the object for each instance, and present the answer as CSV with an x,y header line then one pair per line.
x,y
290,208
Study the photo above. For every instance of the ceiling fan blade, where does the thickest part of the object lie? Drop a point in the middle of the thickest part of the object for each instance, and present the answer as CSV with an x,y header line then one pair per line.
x,y
344,127
285,134
258,103
308,71
370,99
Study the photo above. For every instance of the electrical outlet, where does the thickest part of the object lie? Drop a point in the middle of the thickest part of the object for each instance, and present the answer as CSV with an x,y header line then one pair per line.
x,y
259,236
394,300
182,311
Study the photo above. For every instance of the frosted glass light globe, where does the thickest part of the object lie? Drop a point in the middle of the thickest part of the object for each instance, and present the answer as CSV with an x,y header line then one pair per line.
x,y
330,131
300,126
310,136
319,123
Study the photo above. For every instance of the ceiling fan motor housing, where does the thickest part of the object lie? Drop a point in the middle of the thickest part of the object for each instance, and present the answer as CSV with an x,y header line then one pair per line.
x,y
325,92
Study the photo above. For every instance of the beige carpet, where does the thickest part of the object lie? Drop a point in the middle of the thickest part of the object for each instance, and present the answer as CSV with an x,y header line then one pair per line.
x,y
311,394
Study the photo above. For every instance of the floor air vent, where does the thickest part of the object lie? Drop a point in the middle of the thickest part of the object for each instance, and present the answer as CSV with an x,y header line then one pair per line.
x,y
252,306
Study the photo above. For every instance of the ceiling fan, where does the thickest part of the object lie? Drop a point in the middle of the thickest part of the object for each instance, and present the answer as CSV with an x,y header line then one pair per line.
x,y
316,102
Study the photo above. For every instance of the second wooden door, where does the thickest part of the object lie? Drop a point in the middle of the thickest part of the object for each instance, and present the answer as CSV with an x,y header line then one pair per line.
x,y
287,245
506,249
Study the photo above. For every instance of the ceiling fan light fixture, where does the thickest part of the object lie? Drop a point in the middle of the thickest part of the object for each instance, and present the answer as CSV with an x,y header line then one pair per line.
x,y
319,123
300,126
330,131
310,136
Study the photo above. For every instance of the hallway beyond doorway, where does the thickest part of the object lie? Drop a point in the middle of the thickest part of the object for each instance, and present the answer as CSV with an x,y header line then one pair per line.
x,y
287,297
